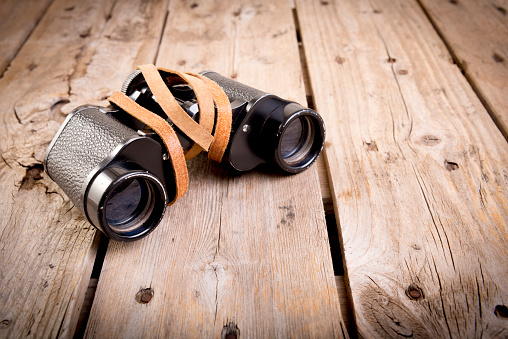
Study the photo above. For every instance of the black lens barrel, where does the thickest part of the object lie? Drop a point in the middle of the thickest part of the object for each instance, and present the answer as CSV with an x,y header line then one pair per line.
x,y
125,201
292,136
266,129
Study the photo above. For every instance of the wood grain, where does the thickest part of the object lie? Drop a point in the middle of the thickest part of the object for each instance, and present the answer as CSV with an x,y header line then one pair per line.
x,y
17,21
477,34
239,254
47,248
418,172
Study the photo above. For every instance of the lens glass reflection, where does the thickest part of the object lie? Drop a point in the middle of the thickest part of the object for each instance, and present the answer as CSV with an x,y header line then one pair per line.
x,y
291,138
126,202
296,141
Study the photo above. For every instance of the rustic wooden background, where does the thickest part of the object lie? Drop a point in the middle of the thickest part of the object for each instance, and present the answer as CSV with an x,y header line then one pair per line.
x,y
413,180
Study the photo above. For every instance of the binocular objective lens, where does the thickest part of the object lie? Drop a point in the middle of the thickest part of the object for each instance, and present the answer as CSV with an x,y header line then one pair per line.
x,y
129,205
297,140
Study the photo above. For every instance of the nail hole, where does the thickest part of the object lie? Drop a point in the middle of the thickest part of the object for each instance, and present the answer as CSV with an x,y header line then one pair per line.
x,y
194,5
339,60
391,60
145,295
324,2
413,292
85,33
451,166
230,331
370,146
454,2
378,11
497,57
501,311
502,10
5,323
416,247
403,72
32,66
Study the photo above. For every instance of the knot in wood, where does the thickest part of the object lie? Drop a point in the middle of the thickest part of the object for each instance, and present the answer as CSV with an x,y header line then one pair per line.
x,y
430,140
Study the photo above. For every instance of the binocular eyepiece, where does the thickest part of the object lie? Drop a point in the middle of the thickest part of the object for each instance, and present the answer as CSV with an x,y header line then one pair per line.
x,y
117,173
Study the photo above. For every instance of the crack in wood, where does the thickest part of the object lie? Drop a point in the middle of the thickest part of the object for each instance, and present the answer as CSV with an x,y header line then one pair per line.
x,y
164,23
32,176
392,61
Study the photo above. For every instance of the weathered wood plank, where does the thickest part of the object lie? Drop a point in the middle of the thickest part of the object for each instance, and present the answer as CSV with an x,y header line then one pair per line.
x,y
47,248
17,21
418,172
477,34
246,253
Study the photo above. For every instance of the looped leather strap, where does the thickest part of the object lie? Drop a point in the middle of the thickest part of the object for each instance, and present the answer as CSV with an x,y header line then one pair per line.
x,y
167,134
223,121
207,94
210,98
199,133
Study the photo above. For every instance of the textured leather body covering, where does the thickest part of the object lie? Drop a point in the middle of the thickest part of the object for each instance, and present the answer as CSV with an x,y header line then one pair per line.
x,y
232,88
85,140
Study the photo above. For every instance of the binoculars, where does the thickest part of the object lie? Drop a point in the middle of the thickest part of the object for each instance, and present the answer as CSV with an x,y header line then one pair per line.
x,y
115,169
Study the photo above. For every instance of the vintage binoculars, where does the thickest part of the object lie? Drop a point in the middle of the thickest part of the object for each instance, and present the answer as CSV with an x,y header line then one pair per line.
x,y
116,171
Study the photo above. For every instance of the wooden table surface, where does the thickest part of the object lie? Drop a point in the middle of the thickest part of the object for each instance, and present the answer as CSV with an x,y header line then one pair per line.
x,y
413,178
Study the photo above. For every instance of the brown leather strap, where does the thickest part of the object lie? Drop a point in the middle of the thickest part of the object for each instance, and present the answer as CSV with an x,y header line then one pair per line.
x,y
223,123
167,134
210,97
207,93
201,135
205,102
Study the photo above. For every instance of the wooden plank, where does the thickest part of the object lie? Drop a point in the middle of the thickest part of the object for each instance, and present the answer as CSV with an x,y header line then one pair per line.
x,y
17,21
418,172
47,247
245,254
477,35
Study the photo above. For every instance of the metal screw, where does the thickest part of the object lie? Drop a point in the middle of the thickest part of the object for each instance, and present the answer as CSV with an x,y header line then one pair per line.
x,y
144,296
246,128
414,292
